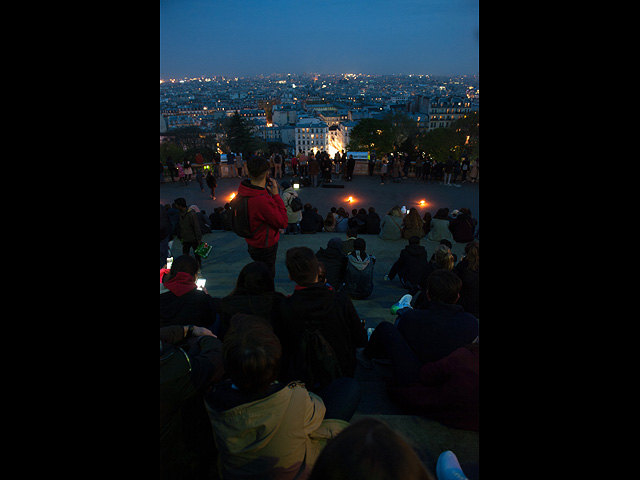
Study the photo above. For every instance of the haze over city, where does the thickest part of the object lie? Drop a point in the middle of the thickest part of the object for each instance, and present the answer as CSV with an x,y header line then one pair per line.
x,y
251,37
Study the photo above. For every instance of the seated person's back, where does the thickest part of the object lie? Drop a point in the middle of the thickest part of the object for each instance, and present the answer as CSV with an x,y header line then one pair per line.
x,y
314,305
246,410
359,275
184,304
440,327
254,294
335,262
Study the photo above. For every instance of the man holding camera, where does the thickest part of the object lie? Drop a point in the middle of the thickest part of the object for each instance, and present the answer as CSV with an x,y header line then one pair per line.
x,y
267,212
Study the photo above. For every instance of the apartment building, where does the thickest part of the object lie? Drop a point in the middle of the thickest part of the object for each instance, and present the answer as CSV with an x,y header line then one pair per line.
x,y
312,135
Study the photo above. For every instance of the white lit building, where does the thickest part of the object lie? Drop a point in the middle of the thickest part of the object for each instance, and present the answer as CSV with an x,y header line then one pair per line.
x,y
312,135
344,132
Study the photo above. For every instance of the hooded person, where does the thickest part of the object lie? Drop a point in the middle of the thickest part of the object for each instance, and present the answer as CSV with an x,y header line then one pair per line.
x,y
359,275
267,212
181,303
335,262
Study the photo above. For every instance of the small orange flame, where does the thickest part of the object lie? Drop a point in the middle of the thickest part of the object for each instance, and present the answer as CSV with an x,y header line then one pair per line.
x,y
233,195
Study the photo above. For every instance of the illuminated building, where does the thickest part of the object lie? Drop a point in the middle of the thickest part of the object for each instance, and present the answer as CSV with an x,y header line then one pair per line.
x,y
312,135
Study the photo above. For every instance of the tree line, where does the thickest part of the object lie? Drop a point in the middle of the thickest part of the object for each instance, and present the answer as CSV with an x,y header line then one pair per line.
x,y
395,132
399,133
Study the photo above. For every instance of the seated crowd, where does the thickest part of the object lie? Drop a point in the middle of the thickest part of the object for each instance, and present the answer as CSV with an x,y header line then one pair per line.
x,y
459,226
257,383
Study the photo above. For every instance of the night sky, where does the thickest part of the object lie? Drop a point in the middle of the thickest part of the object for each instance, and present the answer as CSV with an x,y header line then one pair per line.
x,y
252,37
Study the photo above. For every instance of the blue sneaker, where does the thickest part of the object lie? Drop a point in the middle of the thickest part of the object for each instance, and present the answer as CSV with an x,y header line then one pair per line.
x,y
448,467
404,302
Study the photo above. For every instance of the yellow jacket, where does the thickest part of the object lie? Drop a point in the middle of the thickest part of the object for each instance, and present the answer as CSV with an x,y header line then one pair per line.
x,y
277,437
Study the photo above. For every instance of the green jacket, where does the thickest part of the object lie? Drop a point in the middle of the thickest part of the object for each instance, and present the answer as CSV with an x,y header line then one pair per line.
x,y
190,227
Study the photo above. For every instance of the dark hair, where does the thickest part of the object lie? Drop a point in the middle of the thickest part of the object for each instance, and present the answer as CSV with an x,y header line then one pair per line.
x,y
352,232
442,213
251,353
302,265
184,263
254,278
180,202
257,166
414,240
369,450
360,245
443,286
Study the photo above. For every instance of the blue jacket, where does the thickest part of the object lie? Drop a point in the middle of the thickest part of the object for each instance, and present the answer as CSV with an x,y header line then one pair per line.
x,y
436,331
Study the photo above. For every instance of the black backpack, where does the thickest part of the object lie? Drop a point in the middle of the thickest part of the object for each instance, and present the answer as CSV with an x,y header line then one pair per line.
x,y
295,203
315,362
240,217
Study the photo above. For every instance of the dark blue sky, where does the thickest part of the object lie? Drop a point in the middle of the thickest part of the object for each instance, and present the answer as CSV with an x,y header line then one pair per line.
x,y
250,37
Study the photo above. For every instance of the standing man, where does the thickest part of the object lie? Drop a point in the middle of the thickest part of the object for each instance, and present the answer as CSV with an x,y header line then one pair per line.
x,y
267,212
277,163
337,160
231,165
302,163
189,229
212,183
240,164
351,163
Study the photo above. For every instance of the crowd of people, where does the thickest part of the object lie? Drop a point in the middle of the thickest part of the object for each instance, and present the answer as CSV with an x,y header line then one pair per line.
x,y
255,384
320,167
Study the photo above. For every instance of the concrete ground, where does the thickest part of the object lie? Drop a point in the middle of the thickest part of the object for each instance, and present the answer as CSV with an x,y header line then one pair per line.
x,y
229,255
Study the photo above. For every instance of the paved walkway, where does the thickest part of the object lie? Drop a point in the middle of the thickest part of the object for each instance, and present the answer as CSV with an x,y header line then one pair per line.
x,y
229,255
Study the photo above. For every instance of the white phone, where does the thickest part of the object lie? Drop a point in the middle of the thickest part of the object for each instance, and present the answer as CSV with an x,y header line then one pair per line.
x,y
200,283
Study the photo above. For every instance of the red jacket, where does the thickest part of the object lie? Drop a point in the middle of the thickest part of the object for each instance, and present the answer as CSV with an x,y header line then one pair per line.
x,y
448,390
263,208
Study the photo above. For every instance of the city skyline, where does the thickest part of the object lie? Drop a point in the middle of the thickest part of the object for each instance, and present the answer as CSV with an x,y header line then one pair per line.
x,y
249,38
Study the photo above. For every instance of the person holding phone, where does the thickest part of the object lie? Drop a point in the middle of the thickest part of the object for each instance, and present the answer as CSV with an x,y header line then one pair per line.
x,y
181,301
267,212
